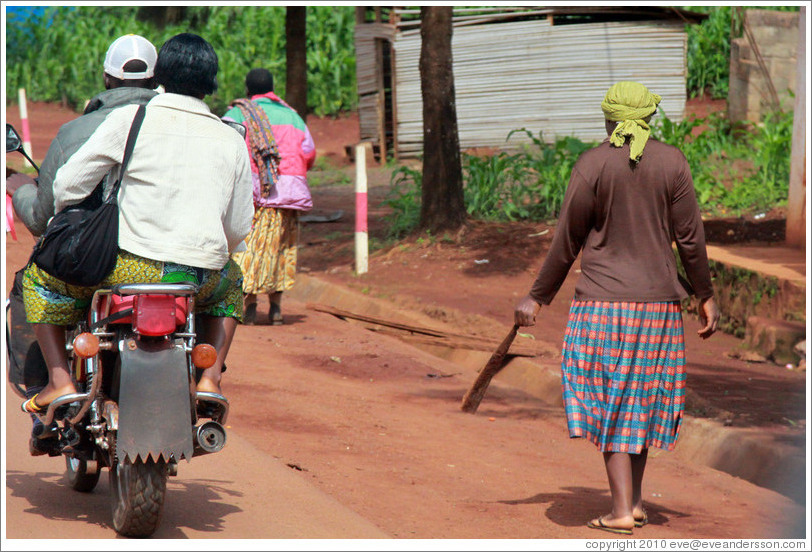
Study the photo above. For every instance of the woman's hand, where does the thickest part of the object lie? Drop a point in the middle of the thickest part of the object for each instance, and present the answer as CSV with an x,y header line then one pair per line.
x,y
709,316
526,311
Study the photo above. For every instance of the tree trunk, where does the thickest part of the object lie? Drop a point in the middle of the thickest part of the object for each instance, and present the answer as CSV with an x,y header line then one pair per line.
x,y
162,16
443,204
296,48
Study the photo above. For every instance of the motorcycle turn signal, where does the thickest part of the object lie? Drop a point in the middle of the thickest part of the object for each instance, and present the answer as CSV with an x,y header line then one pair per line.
x,y
204,356
86,345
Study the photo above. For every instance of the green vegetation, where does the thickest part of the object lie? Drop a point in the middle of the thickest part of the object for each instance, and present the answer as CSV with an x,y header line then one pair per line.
x,y
57,55
404,198
735,171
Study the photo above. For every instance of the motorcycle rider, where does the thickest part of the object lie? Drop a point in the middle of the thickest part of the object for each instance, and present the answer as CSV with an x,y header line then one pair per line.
x,y
128,73
188,209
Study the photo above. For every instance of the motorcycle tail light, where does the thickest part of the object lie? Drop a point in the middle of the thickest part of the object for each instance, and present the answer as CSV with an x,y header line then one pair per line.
x,y
85,345
155,314
204,355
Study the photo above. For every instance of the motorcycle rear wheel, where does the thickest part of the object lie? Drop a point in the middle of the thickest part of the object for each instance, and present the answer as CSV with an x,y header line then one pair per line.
x,y
138,491
80,478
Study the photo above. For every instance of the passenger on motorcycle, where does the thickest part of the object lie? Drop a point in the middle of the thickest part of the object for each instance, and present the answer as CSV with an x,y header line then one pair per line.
x,y
128,69
128,79
185,205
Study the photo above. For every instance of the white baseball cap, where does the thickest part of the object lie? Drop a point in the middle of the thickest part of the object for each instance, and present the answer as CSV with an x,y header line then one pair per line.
x,y
128,48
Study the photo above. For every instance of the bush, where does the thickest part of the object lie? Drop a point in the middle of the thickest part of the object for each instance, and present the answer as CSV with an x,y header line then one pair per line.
x,y
528,185
734,171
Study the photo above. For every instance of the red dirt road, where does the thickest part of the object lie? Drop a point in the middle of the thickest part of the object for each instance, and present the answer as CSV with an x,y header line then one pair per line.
x,y
371,425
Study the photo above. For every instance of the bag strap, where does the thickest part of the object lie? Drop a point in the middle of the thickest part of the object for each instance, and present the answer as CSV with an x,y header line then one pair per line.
x,y
128,149
112,318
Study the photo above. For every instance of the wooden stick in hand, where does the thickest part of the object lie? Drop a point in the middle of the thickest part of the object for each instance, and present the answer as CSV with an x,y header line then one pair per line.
x,y
497,361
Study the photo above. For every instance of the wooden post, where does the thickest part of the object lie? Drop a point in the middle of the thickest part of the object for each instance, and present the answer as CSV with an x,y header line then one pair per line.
x,y
361,234
796,202
380,107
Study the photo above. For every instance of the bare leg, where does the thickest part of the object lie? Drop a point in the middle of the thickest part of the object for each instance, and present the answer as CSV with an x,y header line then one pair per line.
x,y
51,340
619,471
219,332
638,469
275,313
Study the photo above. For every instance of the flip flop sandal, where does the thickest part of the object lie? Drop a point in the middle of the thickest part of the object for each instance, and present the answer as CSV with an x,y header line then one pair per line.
x,y
31,407
603,527
641,521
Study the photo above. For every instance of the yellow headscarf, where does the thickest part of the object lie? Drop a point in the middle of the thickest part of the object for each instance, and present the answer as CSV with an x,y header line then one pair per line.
x,y
632,105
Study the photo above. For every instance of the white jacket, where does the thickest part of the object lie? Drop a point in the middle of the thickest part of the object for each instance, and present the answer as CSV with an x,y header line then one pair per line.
x,y
186,197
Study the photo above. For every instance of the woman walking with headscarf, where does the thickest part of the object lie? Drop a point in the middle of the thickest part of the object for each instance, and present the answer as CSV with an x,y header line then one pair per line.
x,y
623,367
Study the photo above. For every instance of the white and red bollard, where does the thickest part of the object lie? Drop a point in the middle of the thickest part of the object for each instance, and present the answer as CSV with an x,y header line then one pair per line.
x,y
24,120
361,228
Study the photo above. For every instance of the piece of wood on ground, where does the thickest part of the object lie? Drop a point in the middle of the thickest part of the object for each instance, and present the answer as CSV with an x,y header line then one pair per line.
x,y
423,334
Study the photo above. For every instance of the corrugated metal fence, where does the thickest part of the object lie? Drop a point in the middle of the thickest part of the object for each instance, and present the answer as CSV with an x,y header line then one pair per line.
x,y
547,78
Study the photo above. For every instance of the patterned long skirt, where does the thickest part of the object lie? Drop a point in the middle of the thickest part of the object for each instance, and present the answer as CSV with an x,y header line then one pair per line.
x,y
623,374
269,264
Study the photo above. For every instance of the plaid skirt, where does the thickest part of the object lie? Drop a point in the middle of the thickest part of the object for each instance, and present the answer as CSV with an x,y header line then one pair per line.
x,y
269,264
623,374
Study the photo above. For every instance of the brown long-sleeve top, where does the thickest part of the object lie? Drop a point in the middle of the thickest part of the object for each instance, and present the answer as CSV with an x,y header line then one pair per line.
x,y
625,219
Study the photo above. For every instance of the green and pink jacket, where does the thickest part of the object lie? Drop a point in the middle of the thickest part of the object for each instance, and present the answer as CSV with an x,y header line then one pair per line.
x,y
297,153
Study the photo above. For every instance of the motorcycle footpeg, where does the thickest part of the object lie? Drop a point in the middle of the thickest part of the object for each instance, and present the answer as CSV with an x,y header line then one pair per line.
x,y
63,412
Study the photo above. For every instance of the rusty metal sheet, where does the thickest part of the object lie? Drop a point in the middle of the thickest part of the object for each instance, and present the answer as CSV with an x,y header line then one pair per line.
x,y
154,404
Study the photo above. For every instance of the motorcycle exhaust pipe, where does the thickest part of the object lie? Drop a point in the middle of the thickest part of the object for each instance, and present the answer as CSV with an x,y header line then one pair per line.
x,y
208,437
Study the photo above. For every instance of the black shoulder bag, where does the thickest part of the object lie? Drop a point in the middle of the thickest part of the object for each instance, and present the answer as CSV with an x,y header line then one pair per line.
x,y
80,244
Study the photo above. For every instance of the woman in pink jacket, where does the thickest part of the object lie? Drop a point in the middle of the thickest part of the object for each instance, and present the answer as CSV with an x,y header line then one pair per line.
x,y
282,151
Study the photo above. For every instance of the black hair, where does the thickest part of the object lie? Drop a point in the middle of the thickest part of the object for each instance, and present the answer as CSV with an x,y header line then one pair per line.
x,y
187,64
132,66
258,81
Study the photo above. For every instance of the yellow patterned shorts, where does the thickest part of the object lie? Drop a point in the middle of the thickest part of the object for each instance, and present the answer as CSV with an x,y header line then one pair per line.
x,y
49,300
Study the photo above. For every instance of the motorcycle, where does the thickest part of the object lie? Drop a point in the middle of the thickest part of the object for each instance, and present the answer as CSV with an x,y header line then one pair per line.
x,y
137,412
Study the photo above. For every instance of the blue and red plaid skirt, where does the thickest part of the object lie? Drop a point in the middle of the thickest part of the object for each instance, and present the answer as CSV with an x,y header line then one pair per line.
x,y
623,374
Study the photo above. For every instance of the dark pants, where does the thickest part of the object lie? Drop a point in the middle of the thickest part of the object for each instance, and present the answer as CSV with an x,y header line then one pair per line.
x,y
26,364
